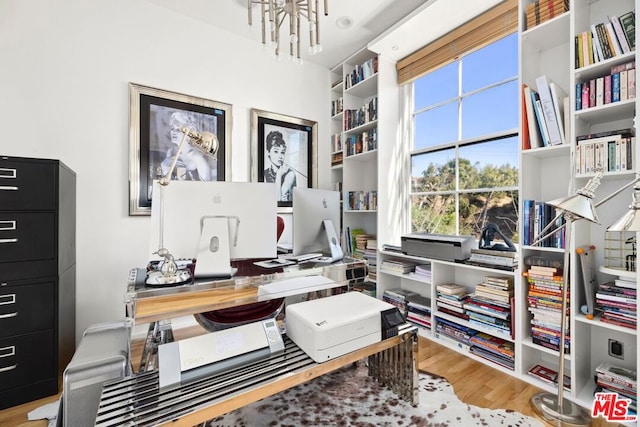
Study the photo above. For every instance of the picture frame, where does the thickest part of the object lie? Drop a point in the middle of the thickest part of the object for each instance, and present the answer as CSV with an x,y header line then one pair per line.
x,y
295,146
155,117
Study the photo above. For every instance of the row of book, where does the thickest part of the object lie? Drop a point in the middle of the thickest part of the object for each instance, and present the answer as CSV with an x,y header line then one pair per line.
x,y
336,142
414,307
604,40
350,237
543,114
362,200
398,266
618,85
362,142
361,72
609,153
544,303
540,11
617,302
502,260
367,287
536,216
365,114
337,106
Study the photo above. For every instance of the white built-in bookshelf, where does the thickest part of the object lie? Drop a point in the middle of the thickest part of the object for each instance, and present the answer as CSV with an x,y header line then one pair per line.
x,y
548,172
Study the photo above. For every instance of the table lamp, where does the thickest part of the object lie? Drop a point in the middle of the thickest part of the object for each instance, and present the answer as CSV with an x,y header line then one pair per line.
x,y
169,273
554,408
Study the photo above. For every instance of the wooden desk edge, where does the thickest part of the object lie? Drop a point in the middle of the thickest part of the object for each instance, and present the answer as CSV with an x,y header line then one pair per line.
x,y
288,381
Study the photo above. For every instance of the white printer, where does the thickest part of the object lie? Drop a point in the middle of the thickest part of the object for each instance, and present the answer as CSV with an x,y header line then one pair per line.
x,y
330,327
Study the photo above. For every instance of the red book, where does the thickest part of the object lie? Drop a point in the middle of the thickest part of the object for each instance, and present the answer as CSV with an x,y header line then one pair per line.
x,y
607,89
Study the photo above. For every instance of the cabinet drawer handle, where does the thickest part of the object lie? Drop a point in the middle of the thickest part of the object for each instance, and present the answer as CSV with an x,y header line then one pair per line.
x,y
8,240
8,173
7,225
9,368
7,299
8,187
8,351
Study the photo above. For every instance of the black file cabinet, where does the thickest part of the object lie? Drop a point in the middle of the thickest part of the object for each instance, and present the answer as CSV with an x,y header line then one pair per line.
x,y
37,276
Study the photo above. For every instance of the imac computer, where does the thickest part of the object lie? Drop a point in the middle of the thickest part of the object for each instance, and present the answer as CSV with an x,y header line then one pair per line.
x,y
214,222
316,222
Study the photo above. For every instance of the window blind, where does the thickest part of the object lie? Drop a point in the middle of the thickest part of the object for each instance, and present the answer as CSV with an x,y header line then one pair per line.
x,y
497,22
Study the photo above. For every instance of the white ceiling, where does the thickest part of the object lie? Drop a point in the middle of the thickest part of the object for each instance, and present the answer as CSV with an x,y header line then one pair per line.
x,y
398,27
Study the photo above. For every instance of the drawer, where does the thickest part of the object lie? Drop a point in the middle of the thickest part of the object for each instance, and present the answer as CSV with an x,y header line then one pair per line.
x,y
26,359
27,185
26,236
26,308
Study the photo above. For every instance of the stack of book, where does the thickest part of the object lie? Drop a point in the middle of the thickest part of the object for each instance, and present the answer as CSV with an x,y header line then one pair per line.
x,y
423,272
544,301
549,376
398,297
502,260
615,379
397,266
494,349
618,302
366,287
491,306
541,11
419,310
451,299
454,334
391,248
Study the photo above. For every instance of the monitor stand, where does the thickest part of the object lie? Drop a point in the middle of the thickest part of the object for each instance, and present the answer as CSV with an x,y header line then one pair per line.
x,y
336,253
213,259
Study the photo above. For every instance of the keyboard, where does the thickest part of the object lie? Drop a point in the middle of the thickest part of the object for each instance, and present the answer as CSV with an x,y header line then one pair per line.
x,y
301,257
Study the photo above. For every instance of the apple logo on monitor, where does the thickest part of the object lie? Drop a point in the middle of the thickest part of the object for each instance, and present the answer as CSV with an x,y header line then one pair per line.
x,y
324,203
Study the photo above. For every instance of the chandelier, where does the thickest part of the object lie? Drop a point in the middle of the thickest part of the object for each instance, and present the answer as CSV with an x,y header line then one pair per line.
x,y
274,13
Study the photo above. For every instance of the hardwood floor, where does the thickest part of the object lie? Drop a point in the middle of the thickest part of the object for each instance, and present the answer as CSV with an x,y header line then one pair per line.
x,y
474,383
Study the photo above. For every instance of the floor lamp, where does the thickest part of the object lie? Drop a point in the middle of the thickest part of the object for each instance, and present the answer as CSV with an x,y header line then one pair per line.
x,y
554,408
169,274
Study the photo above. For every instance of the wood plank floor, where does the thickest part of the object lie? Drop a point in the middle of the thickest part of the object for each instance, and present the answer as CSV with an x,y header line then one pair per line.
x,y
474,383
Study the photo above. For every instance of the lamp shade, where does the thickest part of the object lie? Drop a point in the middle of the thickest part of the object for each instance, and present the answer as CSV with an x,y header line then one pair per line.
x,y
579,206
631,220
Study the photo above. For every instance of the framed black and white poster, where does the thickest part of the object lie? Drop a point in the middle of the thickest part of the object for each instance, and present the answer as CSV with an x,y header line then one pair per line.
x,y
283,151
155,122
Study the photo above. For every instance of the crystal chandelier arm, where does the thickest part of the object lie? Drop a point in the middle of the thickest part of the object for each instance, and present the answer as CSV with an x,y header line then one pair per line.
x,y
318,20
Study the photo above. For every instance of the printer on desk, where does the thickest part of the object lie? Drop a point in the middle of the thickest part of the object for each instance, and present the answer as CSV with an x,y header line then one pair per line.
x,y
330,327
438,246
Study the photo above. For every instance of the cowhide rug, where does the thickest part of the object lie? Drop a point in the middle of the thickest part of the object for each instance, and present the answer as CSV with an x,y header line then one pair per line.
x,y
348,397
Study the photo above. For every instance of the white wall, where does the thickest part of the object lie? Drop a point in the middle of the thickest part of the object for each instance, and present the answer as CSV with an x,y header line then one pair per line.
x,y
64,74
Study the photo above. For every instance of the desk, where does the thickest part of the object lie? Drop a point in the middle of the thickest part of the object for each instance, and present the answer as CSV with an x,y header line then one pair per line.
x,y
156,306
138,401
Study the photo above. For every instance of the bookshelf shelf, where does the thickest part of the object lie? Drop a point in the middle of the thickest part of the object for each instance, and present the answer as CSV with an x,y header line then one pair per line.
x,y
602,67
363,127
597,323
362,157
548,34
608,112
364,88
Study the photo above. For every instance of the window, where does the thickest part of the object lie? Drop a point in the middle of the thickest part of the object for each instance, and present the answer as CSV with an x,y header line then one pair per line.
x,y
464,160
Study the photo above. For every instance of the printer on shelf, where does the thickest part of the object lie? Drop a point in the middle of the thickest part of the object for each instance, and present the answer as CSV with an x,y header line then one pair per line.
x,y
438,246
330,327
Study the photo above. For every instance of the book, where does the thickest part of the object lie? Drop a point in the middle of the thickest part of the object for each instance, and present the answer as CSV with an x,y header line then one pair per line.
x,y
452,289
546,100
548,375
628,22
558,95
535,137
620,36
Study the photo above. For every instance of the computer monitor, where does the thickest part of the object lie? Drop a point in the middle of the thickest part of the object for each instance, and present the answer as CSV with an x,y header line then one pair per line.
x,y
215,222
316,222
